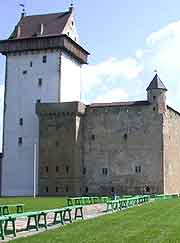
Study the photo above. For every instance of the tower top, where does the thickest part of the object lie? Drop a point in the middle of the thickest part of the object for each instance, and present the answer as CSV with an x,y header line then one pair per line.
x,y
156,83
54,24
46,31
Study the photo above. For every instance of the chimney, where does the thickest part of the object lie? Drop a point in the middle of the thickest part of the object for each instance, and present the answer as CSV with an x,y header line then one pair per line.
x,y
18,31
41,29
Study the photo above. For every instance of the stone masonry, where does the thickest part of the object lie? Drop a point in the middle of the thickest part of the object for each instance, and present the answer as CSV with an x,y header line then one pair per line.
x,y
114,148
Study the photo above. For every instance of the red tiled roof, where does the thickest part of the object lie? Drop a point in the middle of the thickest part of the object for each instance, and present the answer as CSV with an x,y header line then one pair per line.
x,y
53,24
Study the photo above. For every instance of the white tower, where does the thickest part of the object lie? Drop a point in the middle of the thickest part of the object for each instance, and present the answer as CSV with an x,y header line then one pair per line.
x,y
43,64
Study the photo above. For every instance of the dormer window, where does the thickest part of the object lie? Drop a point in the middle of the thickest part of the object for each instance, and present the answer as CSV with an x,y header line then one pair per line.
x,y
44,60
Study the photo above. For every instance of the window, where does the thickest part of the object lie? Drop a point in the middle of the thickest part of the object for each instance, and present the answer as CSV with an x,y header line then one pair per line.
x,y
112,189
147,188
84,171
38,101
44,60
125,136
47,189
154,97
57,168
57,189
47,169
104,171
72,23
93,137
30,64
40,82
86,189
68,33
138,169
19,140
21,121
67,189
24,72
67,169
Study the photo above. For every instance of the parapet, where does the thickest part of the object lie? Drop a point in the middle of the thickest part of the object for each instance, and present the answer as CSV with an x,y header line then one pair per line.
x,y
64,108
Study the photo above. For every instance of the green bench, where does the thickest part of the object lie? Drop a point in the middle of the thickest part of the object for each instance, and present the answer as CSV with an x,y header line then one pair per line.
x,y
64,213
126,202
86,200
5,209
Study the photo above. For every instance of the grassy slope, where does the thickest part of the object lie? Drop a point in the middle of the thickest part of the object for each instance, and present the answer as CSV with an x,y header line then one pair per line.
x,y
154,222
31,204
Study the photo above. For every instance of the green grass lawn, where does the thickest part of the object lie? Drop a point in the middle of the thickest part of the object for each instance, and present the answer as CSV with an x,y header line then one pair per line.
x,y
152,223
31,204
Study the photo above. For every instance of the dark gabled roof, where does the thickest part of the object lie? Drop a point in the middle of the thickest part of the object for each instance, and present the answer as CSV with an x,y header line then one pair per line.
x,y
156,83
175,111
128,103
53,24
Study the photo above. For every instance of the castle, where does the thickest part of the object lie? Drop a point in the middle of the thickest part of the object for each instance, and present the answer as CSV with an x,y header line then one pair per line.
x,y
102,148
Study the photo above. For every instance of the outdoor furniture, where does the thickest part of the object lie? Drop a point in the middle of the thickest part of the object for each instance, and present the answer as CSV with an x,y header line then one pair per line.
x,y
37,216
7,208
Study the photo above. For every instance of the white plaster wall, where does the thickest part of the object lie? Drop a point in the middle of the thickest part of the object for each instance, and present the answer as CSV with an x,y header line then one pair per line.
x,y
70,79
21,95
70,28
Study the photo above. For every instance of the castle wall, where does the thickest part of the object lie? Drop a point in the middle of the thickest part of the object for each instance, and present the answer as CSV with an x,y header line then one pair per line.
x,y
60,169
123,150
171,132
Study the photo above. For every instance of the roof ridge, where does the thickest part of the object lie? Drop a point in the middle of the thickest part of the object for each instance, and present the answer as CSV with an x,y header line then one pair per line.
x,y
63,13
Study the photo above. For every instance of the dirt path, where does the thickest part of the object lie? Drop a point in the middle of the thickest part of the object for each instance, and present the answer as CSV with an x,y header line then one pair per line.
x,y
90,211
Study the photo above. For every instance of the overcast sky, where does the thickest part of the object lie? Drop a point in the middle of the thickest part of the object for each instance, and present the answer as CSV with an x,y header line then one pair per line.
x,y
127,40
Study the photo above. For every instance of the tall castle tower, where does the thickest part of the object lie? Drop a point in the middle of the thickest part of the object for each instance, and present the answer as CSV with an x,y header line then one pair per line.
x,y
43,64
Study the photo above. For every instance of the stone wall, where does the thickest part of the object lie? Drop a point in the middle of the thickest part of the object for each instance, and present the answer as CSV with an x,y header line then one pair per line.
x,y
123,150
171,132
60,148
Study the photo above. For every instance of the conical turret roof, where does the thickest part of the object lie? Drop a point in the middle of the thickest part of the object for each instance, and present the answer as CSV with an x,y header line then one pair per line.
x,y
156,83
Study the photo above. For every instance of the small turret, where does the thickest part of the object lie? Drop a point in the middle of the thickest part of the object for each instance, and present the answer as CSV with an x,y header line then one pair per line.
x,y
156,94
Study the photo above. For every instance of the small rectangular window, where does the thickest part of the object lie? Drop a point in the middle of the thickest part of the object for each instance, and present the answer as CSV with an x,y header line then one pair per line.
x,y
40,82
84,171
19,140
24,72
67,189
47,189
21,121
57,189
30,63
67,169
38,101
138,169
57,168
47,169
44,60
105,171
